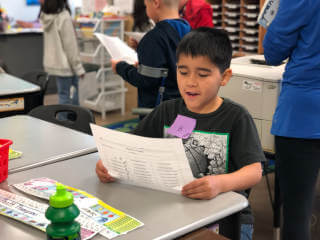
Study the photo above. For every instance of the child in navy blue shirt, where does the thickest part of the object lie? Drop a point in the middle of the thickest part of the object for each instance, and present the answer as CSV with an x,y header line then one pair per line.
x,y
156,55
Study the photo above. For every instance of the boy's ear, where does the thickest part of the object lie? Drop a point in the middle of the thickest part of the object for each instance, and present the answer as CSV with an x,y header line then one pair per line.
x,y
226,77
156,3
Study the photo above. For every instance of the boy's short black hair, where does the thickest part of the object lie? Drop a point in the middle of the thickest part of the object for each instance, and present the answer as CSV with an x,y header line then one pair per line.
x,y
210,42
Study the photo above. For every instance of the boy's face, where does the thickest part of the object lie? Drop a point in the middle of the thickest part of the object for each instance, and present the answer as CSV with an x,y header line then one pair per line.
x,y
199,81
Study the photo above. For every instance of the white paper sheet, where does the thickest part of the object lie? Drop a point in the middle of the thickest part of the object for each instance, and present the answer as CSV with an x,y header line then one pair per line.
x,y
158,163
118,49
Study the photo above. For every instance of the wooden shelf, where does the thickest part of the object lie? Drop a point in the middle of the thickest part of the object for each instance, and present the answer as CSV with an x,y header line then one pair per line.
x,y
239,19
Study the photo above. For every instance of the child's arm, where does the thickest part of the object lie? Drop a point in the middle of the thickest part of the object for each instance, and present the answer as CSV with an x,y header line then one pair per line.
x,y
102,173
70,46
151,53
210,186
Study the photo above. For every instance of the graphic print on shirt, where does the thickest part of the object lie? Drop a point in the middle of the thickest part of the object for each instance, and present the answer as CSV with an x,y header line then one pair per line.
x,y
207,152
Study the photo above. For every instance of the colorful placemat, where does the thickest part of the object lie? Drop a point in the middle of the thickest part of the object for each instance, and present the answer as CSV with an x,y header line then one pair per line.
x,y
124,126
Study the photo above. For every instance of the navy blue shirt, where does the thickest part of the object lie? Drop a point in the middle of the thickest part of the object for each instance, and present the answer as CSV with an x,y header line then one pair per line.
x,y
156,49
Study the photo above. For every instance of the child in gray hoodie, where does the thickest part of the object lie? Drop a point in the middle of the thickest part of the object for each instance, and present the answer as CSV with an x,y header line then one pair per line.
x,y
61,54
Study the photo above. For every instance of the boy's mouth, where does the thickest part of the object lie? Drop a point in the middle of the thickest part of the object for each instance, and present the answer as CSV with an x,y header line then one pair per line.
x,y
192,94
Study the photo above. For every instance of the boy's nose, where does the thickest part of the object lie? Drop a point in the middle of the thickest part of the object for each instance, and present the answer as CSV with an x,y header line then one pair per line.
x,y
191,80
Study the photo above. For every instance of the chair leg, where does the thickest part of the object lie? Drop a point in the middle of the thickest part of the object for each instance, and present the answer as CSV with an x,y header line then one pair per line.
x,y
269,191
276,207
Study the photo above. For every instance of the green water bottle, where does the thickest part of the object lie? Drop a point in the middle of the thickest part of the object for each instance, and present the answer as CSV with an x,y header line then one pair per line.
x,y
62,213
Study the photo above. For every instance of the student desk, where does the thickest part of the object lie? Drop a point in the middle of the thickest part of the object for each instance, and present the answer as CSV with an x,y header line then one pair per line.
x,y
165,215
17,96
42,142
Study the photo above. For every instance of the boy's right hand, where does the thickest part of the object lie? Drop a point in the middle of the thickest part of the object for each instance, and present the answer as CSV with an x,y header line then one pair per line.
x,y
102,173
133,43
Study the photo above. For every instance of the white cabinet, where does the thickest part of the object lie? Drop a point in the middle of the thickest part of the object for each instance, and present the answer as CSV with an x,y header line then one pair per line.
x,y
257,88
103,90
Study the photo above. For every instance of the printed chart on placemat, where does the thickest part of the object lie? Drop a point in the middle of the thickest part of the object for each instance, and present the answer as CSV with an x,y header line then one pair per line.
x,y
114,221
33,213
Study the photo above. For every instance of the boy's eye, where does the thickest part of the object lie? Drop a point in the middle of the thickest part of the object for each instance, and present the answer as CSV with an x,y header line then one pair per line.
x,y
183,72
203,74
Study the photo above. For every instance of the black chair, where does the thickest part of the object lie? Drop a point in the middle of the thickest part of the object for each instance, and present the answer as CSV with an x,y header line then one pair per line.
x,y
78,118
39,78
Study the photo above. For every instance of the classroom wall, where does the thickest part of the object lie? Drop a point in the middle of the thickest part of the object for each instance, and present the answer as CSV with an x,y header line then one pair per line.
x,y
18,9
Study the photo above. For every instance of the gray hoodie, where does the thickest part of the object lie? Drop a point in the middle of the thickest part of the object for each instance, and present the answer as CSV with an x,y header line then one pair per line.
x,y
61,53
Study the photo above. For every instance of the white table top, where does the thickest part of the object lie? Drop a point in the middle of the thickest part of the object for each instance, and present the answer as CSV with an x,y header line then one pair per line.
x,y
165,215
12,85
42,142
242,67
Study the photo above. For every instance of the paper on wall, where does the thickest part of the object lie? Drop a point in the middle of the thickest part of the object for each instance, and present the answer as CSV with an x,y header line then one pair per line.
x,y
87,6
90,6
268,12
125,6
117,48
158,163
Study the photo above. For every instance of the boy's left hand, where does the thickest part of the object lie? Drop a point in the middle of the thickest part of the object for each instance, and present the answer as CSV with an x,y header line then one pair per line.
x,y
203,188
114,63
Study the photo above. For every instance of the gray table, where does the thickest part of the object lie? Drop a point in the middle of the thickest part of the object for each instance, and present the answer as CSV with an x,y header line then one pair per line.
x,y
165,215
12,85
17,96
42,142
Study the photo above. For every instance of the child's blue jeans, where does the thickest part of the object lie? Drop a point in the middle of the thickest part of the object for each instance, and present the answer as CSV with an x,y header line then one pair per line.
x,y
64,85
246,231
66,95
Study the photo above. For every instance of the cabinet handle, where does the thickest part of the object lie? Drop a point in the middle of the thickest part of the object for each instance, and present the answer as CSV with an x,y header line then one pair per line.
x,y
271,86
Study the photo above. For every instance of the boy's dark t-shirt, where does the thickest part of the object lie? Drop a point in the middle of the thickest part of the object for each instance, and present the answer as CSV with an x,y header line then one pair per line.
x,y
157,49
222,141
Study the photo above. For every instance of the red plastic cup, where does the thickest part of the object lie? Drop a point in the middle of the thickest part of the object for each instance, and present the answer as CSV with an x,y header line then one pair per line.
x,y
4,158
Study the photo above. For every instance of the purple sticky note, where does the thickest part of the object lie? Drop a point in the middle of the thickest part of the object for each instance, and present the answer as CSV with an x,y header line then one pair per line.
x,y
182,126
